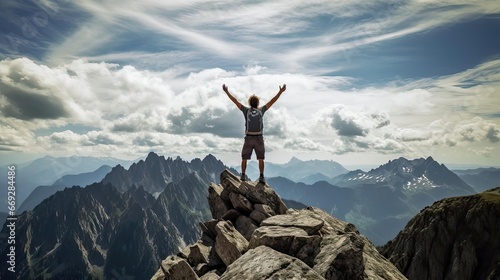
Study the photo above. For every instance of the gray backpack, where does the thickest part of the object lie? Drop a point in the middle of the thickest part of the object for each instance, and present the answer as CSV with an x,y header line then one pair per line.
x,y
254,123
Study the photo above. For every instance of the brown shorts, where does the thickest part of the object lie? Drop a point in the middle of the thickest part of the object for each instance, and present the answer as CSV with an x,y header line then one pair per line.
x,y
253,143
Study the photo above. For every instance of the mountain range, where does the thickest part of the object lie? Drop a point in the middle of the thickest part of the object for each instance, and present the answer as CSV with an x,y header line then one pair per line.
x,y
126,223
381,201
480,179
42,192
297,170
47,170
122,225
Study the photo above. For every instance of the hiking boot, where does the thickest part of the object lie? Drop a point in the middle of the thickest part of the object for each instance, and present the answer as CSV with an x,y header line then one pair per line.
x,y
243,177
262,179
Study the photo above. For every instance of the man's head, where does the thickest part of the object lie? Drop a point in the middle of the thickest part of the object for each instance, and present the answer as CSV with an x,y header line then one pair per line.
x,y
253,101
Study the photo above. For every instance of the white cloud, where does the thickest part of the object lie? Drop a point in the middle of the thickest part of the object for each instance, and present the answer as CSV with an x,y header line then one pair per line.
x,y
129,112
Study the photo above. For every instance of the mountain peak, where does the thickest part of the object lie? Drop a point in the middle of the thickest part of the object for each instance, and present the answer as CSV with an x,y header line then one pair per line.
x,y
294,160
251,226
152,156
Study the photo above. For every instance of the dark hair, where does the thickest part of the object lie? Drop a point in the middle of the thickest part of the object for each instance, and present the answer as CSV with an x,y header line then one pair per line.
x,y
253,101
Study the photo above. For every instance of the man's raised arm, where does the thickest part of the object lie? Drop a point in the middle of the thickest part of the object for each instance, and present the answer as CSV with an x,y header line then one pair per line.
x,y
271,102
235,101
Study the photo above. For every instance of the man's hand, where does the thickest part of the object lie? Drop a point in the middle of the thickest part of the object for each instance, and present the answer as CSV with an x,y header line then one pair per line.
x,y
271,102
235,101
282,88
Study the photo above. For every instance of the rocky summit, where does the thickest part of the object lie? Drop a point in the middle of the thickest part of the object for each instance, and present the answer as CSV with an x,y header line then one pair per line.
x,y
254,236
455,238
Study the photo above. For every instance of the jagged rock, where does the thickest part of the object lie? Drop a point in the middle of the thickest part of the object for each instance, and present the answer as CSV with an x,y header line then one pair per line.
x,y
196,253
245,226
255,193
208,228
299,219
231,215
266,263
455,238
292,241
201,269
341,257
240,203
218,206
289,244
261,212
332,225
229,243
175,268
211,275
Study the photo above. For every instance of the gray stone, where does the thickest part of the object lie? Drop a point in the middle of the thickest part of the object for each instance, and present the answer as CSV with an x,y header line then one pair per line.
x,y
240,203
211,275
231,215
289,244
245,226
229,243
159,275
177,268
266,263
255,193
201,269
331,225
301,219
288,240
218,206
199,253
208,228
261,212
341,257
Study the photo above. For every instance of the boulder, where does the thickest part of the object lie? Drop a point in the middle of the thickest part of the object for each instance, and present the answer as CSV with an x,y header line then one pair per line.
x,y
208,228
261,212
254,236
175,268
196,253
231,215
265,263
229,243
218,206
245,226
292,241
241,203
300,219
211,275
341,257
255,193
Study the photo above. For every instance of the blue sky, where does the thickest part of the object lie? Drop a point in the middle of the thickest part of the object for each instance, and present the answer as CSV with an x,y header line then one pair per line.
x,y
367,81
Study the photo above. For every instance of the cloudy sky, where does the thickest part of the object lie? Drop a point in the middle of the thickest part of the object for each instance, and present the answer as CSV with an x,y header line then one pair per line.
x,y
367,81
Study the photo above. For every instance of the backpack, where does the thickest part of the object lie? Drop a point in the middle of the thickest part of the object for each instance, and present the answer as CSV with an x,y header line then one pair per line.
x,y
254,123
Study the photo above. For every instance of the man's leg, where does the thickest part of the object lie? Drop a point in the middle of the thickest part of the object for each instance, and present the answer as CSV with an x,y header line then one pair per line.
x,y
246,154
260,152
261,166
243,166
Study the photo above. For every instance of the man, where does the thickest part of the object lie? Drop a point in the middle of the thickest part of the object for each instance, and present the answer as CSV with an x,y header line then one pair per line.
x,y
254,139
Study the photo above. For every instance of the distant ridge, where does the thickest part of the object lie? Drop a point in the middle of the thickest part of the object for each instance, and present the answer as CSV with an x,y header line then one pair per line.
x,y
43,192
300,171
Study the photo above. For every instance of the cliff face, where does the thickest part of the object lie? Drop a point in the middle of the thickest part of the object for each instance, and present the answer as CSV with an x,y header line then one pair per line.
x,y
455,238
254,236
